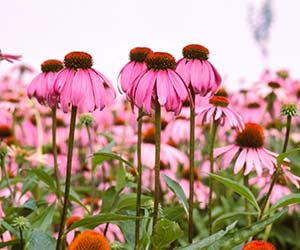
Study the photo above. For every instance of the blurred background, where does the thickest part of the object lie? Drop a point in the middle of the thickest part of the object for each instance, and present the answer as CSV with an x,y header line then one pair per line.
x,y
244,37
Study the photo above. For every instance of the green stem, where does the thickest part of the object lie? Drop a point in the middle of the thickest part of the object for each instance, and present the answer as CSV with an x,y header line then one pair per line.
x,y
247,208
192,166
139,178
278,168
54,149
211,161
21,240
93,181
59,244
7,179
157,123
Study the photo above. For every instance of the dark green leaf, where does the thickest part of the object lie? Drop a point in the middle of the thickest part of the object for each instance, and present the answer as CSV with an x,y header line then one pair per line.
x,y
165,232
128,201
177,190
40,240
238,188
100,157
43,221
120,177
282,156
108,198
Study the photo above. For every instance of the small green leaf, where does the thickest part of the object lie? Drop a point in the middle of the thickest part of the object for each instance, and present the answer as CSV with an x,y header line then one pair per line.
x,y
238,188
128,201
231,216
285,201
9,243
177,190
120,177
203,244
165,232
40,240
108,198
94,221
8,227
100,157
43,221
282,156
44,177
74,197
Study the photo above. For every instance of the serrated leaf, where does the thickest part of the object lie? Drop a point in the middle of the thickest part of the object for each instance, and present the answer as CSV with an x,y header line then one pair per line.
x,y
165,232
100,157
93,221
285,201
40,240
238,188
282,156
231,216
177,190
203,244
43,221
231,240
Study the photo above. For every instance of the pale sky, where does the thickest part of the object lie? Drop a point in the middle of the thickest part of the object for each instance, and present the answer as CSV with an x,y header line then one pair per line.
x,y
108,29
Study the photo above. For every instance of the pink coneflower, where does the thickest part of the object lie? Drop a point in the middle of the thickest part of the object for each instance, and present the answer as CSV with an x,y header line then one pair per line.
x,y
160,81
133,68
196,70
42,85
8,57
81,86
218,110
251,153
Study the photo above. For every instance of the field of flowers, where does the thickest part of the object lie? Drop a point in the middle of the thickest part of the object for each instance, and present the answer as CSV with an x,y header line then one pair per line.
x,y
168,159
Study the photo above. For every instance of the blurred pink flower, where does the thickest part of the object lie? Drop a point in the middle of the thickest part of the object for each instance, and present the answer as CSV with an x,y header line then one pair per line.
x,y
80,85
218,110
133,68
196,70
250,150
42,85
8,57
160,81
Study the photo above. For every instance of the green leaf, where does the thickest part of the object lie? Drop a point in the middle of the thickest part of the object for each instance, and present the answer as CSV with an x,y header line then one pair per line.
x,y
284,155
8,227
108,198
285,201
120,177
43,221
93,221
128,201
74,197
44,177
235,238
177,190
238,188
231,216
100,157
165,232
40,240
9,243
203,244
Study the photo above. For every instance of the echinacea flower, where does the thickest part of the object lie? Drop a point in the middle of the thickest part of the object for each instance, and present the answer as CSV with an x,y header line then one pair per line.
x,y
8,57
195,69
89,240
42,85
133,68
159,82
81,86
218,110
259,245
251,153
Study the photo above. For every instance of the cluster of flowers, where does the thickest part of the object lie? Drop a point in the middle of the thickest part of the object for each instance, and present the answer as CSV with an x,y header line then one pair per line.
x,y
149,79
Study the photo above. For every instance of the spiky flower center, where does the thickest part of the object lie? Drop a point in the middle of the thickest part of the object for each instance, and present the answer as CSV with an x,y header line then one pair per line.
x,y
89,240
160,61
5,131
251,137
258,245
274,85
149,135
222,92
195,51
186,173
51,65
219,101
78,60
253,105
139,54
289,109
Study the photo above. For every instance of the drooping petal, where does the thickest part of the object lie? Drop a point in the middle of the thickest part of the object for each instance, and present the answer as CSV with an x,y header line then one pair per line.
x,y
240,161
